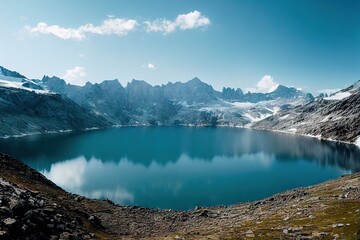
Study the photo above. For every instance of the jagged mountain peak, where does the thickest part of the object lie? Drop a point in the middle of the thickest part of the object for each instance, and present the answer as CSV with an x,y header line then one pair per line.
x,y
53,78
8,73
138,82
111,83
353,87
286,92
195,79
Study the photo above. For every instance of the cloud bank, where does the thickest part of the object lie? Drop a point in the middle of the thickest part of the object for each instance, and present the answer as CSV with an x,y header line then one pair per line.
x,y
113,26
122,26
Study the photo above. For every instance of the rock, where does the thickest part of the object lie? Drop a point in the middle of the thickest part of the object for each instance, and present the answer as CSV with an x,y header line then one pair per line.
x,y
78,198
65,236
250,234
314,199
204,213
297,229
60,226
338,225
285,231
95,220
50,225
341,196
41,203
9,221
286,219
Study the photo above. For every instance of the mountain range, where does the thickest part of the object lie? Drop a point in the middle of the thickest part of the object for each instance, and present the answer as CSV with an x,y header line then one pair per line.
x,y
336,117
50,104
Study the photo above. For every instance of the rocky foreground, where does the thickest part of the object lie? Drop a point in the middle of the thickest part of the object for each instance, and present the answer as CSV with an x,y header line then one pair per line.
x,y
32,207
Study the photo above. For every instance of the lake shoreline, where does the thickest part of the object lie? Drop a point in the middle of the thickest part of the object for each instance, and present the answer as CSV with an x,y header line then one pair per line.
x,y
327,210
188,125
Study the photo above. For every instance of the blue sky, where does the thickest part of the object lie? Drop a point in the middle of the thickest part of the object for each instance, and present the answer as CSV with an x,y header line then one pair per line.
x,y
310,44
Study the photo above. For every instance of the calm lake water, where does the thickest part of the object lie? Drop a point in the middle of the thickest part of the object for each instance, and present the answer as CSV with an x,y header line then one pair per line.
x,y
179,167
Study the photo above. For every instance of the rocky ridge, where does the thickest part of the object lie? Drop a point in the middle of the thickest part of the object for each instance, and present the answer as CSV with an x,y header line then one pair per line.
x,y
26,112
334,118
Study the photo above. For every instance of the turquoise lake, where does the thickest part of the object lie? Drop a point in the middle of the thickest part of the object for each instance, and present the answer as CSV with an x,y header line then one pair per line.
x,y
181,167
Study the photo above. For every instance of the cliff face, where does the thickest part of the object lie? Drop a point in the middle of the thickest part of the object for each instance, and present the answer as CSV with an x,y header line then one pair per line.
x,y
32,207
331,119
26,112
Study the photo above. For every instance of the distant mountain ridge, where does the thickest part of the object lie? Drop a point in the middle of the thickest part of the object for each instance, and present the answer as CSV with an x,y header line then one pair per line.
x,y
180,103
335,117
139,103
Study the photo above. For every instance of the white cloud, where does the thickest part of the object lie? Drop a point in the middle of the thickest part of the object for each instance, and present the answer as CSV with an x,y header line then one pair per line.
x,y
75,76
122,26
192,20
116,26
265,85
151,66
187,21
64,33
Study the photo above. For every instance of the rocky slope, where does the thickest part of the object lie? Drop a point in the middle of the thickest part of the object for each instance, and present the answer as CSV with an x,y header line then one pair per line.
x,y
27,112
34,208
336,117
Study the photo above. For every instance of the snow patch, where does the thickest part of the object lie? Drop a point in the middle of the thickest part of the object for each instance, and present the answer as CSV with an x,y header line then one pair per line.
x,y
11,82
292,130
339,96
276,110
273,88
256,119
325,119
243,104
357,142
284,117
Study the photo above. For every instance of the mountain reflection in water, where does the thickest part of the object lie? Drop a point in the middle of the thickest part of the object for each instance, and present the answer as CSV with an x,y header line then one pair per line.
x,y
179,167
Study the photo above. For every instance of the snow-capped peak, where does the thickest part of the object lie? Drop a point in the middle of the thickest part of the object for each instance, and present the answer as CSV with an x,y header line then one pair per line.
x,y
273,88
10,79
